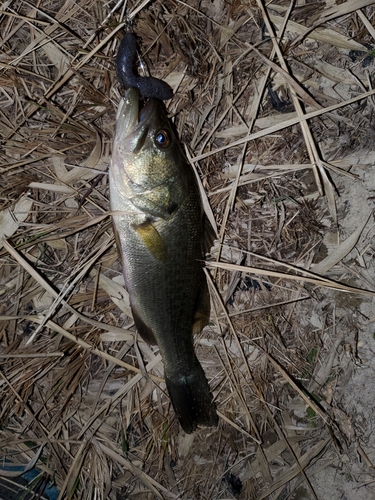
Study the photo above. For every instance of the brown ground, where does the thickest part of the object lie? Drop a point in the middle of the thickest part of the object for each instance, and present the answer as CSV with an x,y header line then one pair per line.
x,y
289,349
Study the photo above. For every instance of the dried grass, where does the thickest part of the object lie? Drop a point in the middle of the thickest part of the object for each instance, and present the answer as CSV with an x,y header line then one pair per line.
x,y
76,383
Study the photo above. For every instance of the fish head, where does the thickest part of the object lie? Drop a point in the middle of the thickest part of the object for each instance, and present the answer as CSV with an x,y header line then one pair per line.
x,y
146,156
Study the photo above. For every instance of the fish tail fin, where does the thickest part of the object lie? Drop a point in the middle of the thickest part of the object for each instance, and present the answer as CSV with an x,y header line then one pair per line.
x,y
191,399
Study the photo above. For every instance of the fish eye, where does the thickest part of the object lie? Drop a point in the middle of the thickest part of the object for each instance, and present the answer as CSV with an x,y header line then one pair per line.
x,y
162,139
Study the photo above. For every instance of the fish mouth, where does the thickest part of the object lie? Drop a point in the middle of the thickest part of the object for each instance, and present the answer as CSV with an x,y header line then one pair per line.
x,y
132,118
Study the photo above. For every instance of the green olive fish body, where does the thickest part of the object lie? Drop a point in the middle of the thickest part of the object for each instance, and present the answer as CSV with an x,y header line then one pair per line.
x,y
159,230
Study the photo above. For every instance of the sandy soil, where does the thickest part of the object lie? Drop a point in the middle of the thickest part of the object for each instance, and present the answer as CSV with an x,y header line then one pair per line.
x,y
293,368
351,474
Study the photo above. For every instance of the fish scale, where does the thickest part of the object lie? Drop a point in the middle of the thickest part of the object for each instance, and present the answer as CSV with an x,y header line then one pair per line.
x,y
159,230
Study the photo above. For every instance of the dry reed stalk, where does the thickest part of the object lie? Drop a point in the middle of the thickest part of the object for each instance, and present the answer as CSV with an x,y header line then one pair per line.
x,y
76,382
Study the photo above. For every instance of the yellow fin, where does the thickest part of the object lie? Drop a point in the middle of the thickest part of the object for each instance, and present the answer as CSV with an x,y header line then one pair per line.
x,y
152,239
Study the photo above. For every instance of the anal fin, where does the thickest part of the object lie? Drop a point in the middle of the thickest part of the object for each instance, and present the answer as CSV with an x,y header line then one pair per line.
x,y
144,331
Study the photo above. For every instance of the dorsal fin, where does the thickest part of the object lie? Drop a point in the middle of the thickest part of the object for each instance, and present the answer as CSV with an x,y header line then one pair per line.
x,y
208,237
202,309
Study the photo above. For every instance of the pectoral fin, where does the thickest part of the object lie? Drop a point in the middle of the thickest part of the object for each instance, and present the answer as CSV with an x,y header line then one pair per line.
x,y
152,240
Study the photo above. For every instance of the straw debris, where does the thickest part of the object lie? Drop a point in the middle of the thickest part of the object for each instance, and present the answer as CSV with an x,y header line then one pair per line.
x,y
274,103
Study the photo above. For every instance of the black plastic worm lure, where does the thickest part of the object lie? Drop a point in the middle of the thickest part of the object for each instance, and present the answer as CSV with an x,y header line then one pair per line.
x,y
148,86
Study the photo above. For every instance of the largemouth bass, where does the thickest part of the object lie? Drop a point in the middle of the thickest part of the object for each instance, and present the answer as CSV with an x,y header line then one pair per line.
x,y
159,236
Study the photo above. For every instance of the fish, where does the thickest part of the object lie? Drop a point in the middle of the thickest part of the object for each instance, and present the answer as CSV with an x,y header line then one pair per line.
x,y
148,86
159,226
